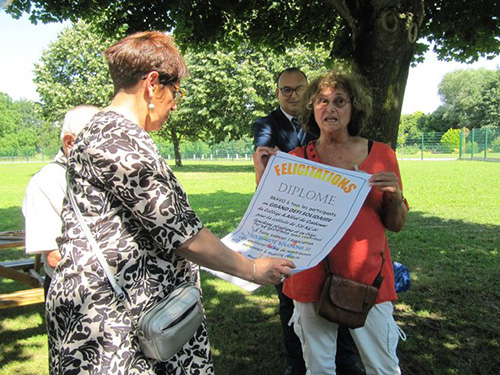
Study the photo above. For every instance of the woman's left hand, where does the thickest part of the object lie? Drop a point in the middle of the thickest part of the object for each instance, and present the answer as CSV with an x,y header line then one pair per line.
x,y
394,214
388,183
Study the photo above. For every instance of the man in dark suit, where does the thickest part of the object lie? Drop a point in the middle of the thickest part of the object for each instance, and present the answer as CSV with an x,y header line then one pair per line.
x,y
281,129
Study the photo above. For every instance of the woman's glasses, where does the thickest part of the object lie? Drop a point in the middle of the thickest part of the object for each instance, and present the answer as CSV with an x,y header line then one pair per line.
x,y
178,94
338,102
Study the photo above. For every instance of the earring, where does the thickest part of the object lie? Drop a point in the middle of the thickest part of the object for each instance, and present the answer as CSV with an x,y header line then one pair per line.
x,y
151,106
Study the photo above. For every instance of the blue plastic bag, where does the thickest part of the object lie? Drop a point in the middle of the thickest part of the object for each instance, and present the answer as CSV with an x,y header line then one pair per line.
x,y
401,277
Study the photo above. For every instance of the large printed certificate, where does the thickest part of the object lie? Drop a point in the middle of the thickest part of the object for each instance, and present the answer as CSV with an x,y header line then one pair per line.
x,y
300,211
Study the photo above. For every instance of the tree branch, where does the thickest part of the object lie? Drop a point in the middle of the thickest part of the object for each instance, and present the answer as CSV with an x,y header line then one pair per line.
x,y
346,13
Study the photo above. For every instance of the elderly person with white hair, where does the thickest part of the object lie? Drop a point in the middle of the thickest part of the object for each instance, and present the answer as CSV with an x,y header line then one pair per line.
x,y
43,198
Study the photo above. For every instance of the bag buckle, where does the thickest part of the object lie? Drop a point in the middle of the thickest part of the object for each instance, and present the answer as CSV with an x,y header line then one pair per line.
x,y
121,296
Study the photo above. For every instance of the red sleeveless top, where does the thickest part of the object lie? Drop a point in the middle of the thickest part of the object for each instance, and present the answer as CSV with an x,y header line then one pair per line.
x,y
358,255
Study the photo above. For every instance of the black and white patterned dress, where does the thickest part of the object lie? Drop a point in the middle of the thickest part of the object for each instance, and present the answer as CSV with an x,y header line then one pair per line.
x,y
139,214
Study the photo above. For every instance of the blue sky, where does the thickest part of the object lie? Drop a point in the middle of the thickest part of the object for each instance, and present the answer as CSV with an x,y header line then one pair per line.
x,y
22,44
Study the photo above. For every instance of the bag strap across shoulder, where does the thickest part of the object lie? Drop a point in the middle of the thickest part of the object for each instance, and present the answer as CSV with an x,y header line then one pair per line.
x,y
120,294
378,280
370,145
118,290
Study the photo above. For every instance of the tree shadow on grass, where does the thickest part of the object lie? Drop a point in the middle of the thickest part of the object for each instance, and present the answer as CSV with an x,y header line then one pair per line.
x,y
18,327
11,218
244,328
450,314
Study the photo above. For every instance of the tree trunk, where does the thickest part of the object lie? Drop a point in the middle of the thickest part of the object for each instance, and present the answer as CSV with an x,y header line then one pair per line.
x,y
384,36
177,148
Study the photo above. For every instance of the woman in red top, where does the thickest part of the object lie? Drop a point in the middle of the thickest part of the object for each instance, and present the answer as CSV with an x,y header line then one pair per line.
x,y
335,107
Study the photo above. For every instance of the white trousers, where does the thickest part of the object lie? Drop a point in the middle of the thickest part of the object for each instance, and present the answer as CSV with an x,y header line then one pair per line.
x,y
376,341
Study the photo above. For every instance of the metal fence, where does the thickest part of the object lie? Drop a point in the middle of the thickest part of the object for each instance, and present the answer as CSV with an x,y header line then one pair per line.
x,y
476,144
482,143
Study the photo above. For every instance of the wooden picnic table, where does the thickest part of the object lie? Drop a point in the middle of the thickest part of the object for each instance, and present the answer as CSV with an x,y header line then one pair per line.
x,y
12,239
25,271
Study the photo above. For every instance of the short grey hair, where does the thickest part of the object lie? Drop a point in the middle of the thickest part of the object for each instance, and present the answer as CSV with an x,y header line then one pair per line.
x,y
76,119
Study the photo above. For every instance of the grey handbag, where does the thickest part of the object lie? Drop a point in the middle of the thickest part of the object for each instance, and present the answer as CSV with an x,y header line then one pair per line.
x,y
164,329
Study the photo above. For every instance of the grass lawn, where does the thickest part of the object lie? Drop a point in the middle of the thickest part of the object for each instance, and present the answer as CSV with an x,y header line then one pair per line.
x,y
451,245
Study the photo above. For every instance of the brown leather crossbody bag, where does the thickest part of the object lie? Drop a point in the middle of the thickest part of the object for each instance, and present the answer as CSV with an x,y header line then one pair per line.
x,y
347,302
344,301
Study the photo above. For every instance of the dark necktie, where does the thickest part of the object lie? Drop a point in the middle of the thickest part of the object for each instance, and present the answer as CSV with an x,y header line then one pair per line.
x,y
300,132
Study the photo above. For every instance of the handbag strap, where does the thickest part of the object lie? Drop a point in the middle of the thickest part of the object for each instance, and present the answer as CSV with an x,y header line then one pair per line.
x,y
378,280
120,294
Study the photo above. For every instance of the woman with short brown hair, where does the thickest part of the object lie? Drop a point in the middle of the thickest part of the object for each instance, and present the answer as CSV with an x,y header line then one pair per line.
x,y
142,222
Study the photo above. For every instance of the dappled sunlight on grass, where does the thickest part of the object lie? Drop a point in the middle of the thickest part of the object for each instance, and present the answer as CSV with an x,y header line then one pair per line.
x,y
454,293
450,244
23,341
242,322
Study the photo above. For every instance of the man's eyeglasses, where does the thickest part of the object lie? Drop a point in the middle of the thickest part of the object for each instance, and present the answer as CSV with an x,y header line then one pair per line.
x,y
338,102
288,91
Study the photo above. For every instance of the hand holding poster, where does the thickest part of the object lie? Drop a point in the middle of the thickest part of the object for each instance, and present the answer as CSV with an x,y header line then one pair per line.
x,y
300,211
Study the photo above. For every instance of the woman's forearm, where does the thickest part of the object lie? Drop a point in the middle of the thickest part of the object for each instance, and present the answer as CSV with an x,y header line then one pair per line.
x,y
395,214
207,250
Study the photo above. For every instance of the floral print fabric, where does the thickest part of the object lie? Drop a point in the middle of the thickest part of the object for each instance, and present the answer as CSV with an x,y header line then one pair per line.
x,y
138,214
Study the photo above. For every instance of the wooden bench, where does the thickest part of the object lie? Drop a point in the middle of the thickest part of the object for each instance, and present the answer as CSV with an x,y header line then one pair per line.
x,y
11,239
20,264
25,271
21,298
